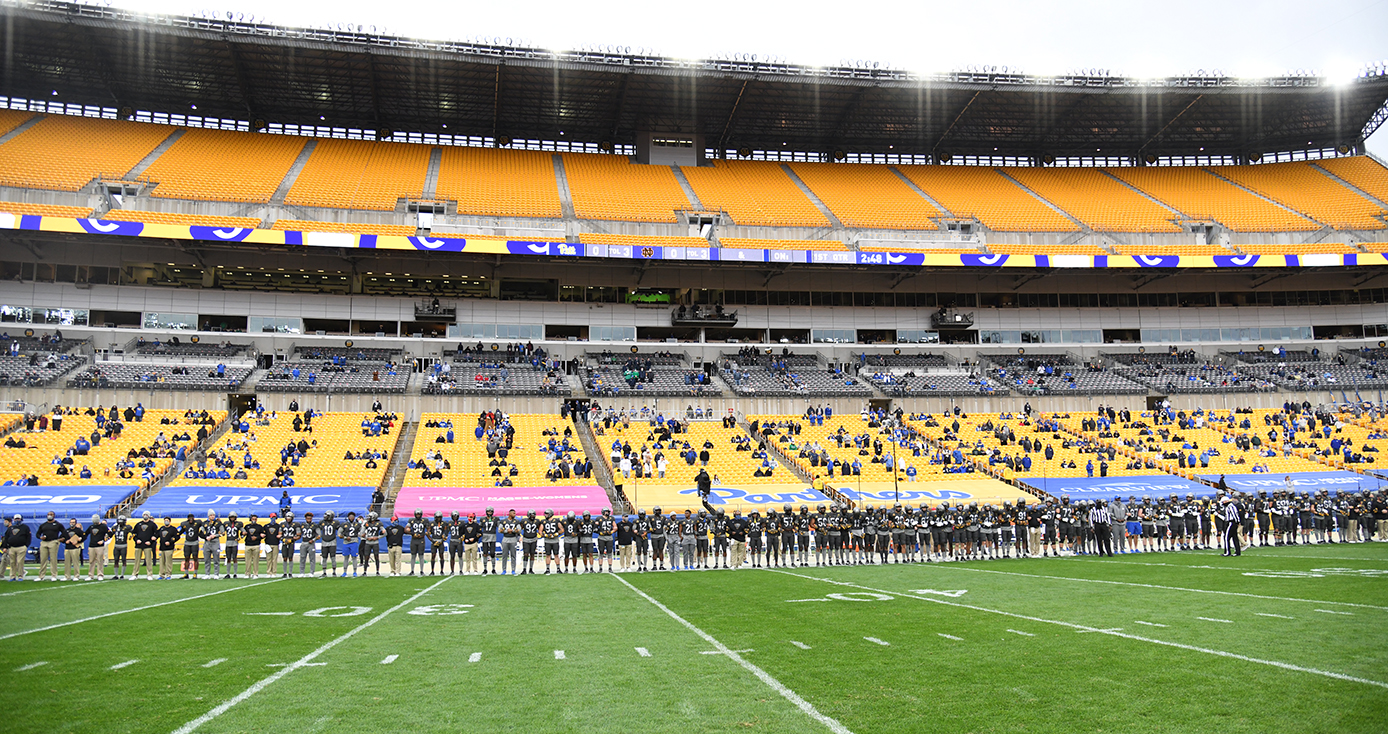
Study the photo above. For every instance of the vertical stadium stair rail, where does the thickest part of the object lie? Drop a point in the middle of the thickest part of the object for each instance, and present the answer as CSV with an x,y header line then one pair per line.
x,y
601,472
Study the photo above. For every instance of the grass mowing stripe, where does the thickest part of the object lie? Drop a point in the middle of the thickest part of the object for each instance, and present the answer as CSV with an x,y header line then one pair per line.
x,y
301,662
136,609
1113,632
959,567
831,723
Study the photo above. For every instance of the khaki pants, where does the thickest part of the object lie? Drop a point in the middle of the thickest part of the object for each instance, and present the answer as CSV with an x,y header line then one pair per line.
x,y
145,556
72,563
166,562
272,557
253,560
470,558
739,553
1383,529
48,556
627,555
96,562
393,556
1353,531
1033,540
16,556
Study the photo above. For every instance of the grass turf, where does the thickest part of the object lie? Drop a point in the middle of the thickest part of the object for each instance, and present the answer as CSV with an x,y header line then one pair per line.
x,y
1041,645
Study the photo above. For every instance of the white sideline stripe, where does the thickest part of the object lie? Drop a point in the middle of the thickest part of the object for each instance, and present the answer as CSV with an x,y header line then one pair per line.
x,y
1115,633
643,652
30,666
559,655
1212,619
214,663
884,643
389,659
136,609
475,657
950,637
800,645
1331,611
1328,558
50,588
1279,616
1019,632
957,567
831,723
301,662
1149,624
125,664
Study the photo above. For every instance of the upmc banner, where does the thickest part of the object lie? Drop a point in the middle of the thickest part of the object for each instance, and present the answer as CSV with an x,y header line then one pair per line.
x,y
179,501
1157,485
521,499
79,501
1343,481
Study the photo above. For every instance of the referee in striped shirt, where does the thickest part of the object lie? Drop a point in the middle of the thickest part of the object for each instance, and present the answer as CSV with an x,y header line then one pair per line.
x,y
1100,519
1233,520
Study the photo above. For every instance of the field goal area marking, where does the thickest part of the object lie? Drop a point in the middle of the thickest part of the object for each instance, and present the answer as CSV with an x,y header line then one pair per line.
x,y
301,662
136,609
829,722
1113,632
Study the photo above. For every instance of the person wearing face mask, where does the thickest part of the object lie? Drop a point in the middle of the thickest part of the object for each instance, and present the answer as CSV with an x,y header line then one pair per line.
x,y
120,541
50,534
16,544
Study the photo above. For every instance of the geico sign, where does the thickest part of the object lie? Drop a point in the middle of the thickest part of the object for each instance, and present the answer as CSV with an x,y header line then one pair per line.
x,y
48,499
256,499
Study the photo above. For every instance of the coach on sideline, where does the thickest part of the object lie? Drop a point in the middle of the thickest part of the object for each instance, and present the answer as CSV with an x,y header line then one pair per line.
x,y
1118,523
17,538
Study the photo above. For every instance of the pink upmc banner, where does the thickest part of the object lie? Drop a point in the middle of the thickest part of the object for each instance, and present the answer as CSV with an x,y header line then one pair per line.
x,y
521,499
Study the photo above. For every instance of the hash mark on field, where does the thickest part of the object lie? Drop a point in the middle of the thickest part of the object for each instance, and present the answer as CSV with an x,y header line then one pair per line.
x,y
559,655
643,652
1110,629
1279,616
214,663
268,614
475,657
793,601
883,643
800,645
1212,619
1149,624
1331,611
1019,632
30,666
127,663
720,652
949,637
389,659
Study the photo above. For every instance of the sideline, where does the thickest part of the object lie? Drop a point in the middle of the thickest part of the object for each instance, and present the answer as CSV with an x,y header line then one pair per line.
x,y
136,609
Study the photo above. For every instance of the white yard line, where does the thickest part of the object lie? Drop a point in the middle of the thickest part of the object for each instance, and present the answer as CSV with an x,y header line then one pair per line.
x,y
829,722
1279,616
301,662
957,567
800,645
51,588
1019,632
883,643
31,666
1212,619
390,659
1113,632
136,609
214,663
950,637
643,652
125,664
1331,611
475,657
1148,624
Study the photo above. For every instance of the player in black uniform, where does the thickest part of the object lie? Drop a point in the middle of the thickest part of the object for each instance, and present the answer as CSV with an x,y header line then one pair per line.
x,y
370,548
455,542
570,528
553,532
642,539
657,540
720,538
120,540
701,528
490,525
788,532
772,527
232,529
606,529
418,530
586,528
438,543
754,527
289,536
189,530
530,538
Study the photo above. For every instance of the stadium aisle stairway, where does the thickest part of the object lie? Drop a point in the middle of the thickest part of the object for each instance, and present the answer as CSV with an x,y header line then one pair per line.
x,y
64,153
467,456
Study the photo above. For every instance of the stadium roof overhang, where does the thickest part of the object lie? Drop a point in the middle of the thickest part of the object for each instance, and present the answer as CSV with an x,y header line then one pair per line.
x,y
358,79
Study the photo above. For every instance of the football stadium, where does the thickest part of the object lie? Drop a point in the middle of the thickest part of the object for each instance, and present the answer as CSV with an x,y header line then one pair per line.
x,y
333,327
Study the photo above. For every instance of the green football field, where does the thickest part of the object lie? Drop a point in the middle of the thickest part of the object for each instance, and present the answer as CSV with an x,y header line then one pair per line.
x,y
1279,640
